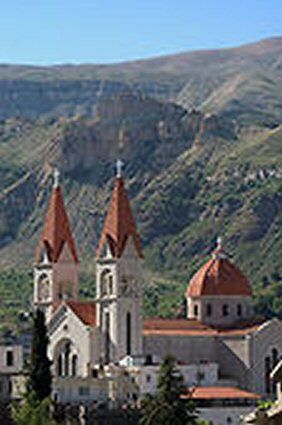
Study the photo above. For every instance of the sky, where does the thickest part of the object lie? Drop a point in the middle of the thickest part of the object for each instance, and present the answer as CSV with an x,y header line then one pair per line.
x,y
94,31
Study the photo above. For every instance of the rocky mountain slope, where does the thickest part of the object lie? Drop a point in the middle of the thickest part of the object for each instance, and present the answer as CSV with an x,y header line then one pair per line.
x,y
200,134
244,80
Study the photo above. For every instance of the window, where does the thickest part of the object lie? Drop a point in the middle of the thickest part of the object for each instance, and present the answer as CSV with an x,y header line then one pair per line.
x,y
267,370
209,310
275,358
196,310
107,338
111,286
60,366
225,310
148,359
148,378
9,358
106,282
239,310
84,391
67,359
74,365
128,333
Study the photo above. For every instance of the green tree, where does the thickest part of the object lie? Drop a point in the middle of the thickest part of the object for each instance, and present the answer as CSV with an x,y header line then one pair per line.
x,y
40,378
167,407
36,408
34,412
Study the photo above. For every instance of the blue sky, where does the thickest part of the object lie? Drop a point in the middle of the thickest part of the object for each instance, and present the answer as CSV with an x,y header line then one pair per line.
x,y
94,31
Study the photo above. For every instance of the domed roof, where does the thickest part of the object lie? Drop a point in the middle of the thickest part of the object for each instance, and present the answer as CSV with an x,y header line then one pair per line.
x,y
219,276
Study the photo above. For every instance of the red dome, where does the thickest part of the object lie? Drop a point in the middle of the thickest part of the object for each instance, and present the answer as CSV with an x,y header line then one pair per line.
x,y
219,277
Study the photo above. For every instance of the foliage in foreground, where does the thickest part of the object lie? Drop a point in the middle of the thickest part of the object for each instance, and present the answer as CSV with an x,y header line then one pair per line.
x,y
40,378
36,408
167,407
34,412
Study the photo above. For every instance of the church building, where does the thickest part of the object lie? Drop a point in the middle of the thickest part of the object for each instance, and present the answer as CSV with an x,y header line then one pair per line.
x,y
220,332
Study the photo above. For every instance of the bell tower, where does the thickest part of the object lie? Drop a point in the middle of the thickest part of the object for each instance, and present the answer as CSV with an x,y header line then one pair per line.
x,y
56,269
119,279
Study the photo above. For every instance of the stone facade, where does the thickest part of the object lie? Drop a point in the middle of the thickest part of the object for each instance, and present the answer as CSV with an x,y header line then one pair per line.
x,y
119,303
55,281
220,310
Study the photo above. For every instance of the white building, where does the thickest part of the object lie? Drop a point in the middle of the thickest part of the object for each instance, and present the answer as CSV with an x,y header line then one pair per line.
x,y
219,344
11,372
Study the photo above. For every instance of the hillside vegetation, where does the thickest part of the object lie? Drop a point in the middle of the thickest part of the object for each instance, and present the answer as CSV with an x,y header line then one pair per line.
x,y
200,134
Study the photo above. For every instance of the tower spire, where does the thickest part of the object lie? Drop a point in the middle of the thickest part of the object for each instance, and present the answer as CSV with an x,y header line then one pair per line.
x,y
56,230
119,224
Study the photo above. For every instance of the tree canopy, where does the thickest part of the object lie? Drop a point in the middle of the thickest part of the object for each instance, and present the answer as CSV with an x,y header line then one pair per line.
x,y
167,407
40,378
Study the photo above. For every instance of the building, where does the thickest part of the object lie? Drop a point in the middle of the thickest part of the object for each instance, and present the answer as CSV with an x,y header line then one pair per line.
x,y
220,330
11,372
272,415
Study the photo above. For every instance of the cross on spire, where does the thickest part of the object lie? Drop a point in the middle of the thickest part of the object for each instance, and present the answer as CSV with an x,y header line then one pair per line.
x,y
219,243
119,165
56,176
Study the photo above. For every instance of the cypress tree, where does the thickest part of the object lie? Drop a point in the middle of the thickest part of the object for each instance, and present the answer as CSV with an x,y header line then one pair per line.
x,y
40,378
166,407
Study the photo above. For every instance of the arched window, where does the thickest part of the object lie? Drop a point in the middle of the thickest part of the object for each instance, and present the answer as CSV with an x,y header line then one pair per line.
x,y
128,333
107,338
74,365
111,286
209,310
60,365
239,310
67,359
225,310
267,370
275,358
106,282
196,310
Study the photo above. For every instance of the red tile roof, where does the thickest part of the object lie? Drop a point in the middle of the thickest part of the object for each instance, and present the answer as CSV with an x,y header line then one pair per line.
x,y
56,231
219,277
84,310
119,224
208,393
191,327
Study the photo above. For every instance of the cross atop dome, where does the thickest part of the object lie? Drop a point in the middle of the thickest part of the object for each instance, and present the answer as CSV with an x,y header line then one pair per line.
x,y
219,253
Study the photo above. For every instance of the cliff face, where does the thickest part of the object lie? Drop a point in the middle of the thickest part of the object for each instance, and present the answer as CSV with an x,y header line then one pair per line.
x,y
148,135
134,127
193,173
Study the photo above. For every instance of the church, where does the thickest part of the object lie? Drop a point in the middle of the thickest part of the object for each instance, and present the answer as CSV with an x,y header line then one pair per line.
x,y
220,334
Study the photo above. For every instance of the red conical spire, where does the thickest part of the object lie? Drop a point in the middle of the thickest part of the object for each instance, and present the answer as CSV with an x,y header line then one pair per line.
x,y
119,224
56,231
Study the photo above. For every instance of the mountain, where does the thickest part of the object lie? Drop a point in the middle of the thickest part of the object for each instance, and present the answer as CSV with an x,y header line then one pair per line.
x,y
225,81
200,134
